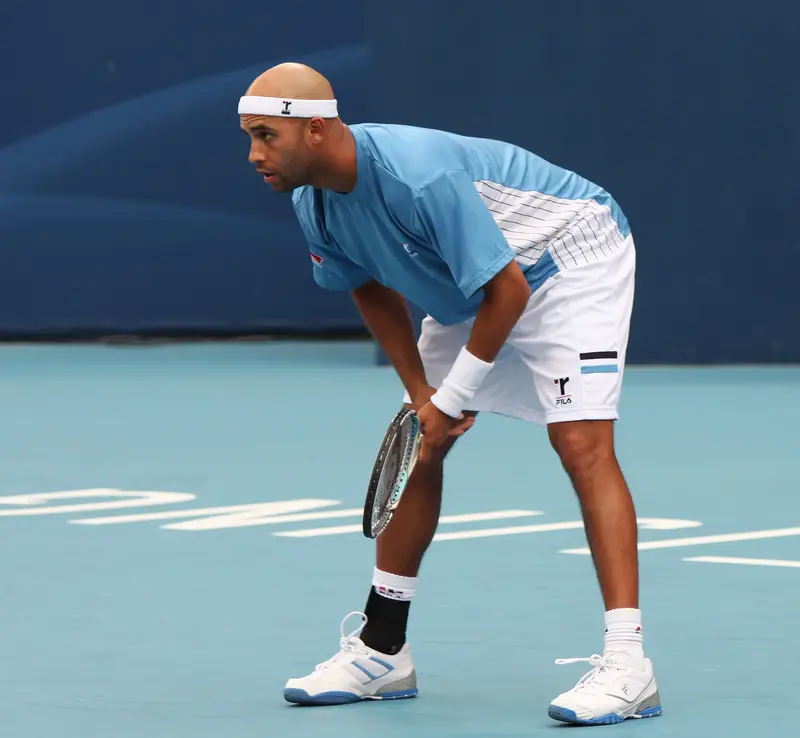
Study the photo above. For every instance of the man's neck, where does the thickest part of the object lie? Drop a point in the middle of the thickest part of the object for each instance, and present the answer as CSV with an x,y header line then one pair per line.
x,y
340,173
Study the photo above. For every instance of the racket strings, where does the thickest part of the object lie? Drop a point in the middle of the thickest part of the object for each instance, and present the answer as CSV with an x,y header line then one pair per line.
x,y
393,468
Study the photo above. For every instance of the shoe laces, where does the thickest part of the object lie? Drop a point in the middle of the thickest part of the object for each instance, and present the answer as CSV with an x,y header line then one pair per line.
x,y
603,670
349,644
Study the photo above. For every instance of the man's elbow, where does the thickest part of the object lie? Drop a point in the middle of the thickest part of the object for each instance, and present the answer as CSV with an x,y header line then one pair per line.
x,y
521,286
509,284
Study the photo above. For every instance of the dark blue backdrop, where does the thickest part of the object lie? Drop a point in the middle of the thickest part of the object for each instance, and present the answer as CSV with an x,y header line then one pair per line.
x,y
686,111
127,203
126,199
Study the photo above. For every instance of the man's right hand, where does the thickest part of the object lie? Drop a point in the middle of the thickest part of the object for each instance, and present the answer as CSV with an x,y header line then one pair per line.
x,y
458,426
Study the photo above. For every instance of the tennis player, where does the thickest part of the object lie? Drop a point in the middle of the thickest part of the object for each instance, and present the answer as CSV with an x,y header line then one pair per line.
x,y
526,274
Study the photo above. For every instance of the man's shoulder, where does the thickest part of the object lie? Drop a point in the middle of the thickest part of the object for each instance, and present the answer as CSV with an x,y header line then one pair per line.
x,y
419,157
410,155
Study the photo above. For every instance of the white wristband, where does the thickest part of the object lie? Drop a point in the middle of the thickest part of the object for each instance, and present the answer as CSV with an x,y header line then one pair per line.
x,y
461,383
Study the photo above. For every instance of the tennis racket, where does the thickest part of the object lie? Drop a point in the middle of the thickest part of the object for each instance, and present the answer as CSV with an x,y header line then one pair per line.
x,y
396,458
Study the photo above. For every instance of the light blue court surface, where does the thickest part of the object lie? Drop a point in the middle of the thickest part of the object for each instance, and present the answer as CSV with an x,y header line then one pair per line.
x,y
171,615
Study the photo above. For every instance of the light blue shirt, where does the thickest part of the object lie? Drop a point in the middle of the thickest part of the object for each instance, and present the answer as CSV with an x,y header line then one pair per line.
x,y
435,215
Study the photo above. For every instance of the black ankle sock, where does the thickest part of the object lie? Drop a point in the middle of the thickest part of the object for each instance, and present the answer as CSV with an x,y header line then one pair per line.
x,y
385,630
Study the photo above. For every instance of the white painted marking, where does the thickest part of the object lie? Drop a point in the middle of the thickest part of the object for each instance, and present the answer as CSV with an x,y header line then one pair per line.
x,y
332,530
755,535
264,508
465,518
644,523
494,515
744,562
252,511
461,535
131,499
263,517
170,515
667,523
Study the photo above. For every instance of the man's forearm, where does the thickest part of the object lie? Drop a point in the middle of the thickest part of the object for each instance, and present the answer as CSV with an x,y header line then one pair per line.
x,y
496,317
386,314
505,299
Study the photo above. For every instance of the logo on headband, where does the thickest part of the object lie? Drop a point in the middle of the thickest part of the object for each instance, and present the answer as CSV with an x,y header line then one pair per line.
x,y
286,107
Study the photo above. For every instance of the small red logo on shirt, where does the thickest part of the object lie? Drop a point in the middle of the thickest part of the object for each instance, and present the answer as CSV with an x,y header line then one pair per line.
x,y
316,258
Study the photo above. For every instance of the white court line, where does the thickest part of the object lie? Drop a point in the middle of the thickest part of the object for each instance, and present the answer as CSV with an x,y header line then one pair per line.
x,y
269,510
466,518
755,535
130,498
744,562
645,523
461,535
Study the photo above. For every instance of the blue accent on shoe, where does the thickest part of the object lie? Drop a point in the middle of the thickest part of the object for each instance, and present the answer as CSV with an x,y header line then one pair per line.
x,y
569,716
358,666
301,697
399,695
600,369
385,665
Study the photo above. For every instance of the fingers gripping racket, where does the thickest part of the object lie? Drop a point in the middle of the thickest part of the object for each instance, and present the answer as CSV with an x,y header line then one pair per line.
x,y
396,459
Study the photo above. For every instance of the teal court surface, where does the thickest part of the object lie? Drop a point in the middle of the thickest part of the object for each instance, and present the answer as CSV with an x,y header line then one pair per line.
x,y
180,534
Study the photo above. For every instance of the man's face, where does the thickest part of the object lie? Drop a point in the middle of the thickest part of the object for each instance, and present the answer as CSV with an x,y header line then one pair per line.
x,y
279,150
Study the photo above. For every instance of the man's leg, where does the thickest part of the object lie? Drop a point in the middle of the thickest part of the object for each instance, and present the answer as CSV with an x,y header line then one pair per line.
x,y
622,683
573,340
586,450
400,549
375,661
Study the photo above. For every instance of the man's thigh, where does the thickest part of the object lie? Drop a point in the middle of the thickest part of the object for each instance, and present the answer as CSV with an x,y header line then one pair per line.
x,y
564,359
573,338
507,389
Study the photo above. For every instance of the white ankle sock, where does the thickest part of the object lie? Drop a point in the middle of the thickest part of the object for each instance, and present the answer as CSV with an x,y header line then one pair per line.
x,y
393,586
624,632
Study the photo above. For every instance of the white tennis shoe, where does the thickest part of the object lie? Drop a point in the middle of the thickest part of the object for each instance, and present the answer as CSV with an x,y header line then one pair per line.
x,y
355,673
617,688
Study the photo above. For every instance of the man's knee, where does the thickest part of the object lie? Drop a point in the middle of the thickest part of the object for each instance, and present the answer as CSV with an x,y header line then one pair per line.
x,y
582,445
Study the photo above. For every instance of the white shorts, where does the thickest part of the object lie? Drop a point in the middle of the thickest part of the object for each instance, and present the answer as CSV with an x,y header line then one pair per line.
x,y
565,357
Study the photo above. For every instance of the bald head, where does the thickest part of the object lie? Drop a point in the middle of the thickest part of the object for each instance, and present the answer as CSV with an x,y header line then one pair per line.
x,y
292,80
305,144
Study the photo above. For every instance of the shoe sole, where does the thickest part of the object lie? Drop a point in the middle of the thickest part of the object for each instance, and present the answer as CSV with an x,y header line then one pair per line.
x,y
568,716
648,708
301,697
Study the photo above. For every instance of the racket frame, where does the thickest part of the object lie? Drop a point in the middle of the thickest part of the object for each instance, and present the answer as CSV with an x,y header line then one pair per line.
x,y
406,467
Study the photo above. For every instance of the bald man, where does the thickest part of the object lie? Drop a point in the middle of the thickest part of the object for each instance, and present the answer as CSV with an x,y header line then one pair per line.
x,y
526,273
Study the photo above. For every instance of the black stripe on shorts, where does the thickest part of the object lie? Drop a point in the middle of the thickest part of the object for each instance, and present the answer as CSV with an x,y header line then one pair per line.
x,y
599,355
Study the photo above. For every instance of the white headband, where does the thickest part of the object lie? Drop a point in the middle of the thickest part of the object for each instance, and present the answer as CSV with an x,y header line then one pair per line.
x,y
253,105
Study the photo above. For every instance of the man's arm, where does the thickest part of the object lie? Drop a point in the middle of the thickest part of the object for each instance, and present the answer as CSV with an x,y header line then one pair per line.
x,y
386,314
452,215
505,297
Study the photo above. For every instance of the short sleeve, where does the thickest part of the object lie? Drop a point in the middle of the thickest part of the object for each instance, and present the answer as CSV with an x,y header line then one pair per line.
x,y
331,268
452,216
